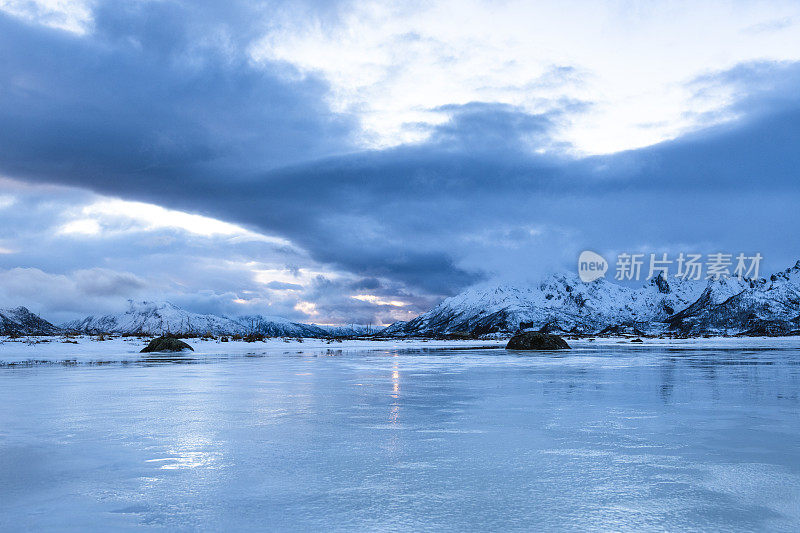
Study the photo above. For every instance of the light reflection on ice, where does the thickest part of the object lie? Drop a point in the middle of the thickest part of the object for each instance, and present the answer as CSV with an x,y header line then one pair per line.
x,y
187,459
395,407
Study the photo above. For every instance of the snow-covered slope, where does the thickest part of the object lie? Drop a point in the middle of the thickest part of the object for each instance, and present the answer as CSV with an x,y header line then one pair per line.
x,y
351,330
760,308
562,303
20,321
275,326
157,318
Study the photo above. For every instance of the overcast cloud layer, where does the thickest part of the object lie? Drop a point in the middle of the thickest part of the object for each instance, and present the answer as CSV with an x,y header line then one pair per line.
x,y
170,105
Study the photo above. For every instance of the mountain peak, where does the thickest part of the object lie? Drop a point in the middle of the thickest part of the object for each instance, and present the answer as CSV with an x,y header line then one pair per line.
x,y
20,321
561,302
161,317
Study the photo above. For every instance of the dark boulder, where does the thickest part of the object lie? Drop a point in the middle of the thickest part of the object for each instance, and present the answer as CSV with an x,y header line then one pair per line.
x,y
166,344
532,340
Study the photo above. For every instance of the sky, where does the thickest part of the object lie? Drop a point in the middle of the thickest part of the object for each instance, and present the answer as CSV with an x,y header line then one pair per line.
x,y
357,162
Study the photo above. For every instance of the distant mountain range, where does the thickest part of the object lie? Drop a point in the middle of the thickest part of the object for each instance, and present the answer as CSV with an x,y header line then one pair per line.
x,y
765,307
561,304
352,330
20,321
156,318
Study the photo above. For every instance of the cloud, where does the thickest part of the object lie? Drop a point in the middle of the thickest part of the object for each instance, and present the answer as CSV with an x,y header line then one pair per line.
x,y
104,282
770,25
344,302
157,92
394,63
57,275
415,214
59,297
486,127
70,15
283,286
162,105
427,202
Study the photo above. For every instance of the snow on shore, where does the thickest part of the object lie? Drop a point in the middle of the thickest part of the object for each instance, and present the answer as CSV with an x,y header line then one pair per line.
x,y
86,349
89,349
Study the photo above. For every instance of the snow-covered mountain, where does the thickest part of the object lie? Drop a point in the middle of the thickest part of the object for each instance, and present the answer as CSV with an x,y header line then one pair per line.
x,y
351,330
20,321
275,326
158,318
562,303
763,307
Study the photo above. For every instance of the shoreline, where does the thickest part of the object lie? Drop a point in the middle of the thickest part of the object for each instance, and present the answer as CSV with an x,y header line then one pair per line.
x,y
45,350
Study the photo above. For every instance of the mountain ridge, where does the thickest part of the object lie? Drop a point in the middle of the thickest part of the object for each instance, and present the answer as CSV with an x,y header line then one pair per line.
x,y
561,303
20,321
159,318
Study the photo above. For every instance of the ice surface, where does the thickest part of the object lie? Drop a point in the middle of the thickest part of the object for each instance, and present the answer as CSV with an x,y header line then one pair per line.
x,y
687,435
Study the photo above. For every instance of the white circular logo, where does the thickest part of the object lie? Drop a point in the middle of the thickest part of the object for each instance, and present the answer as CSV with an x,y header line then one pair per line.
x,y
591,266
